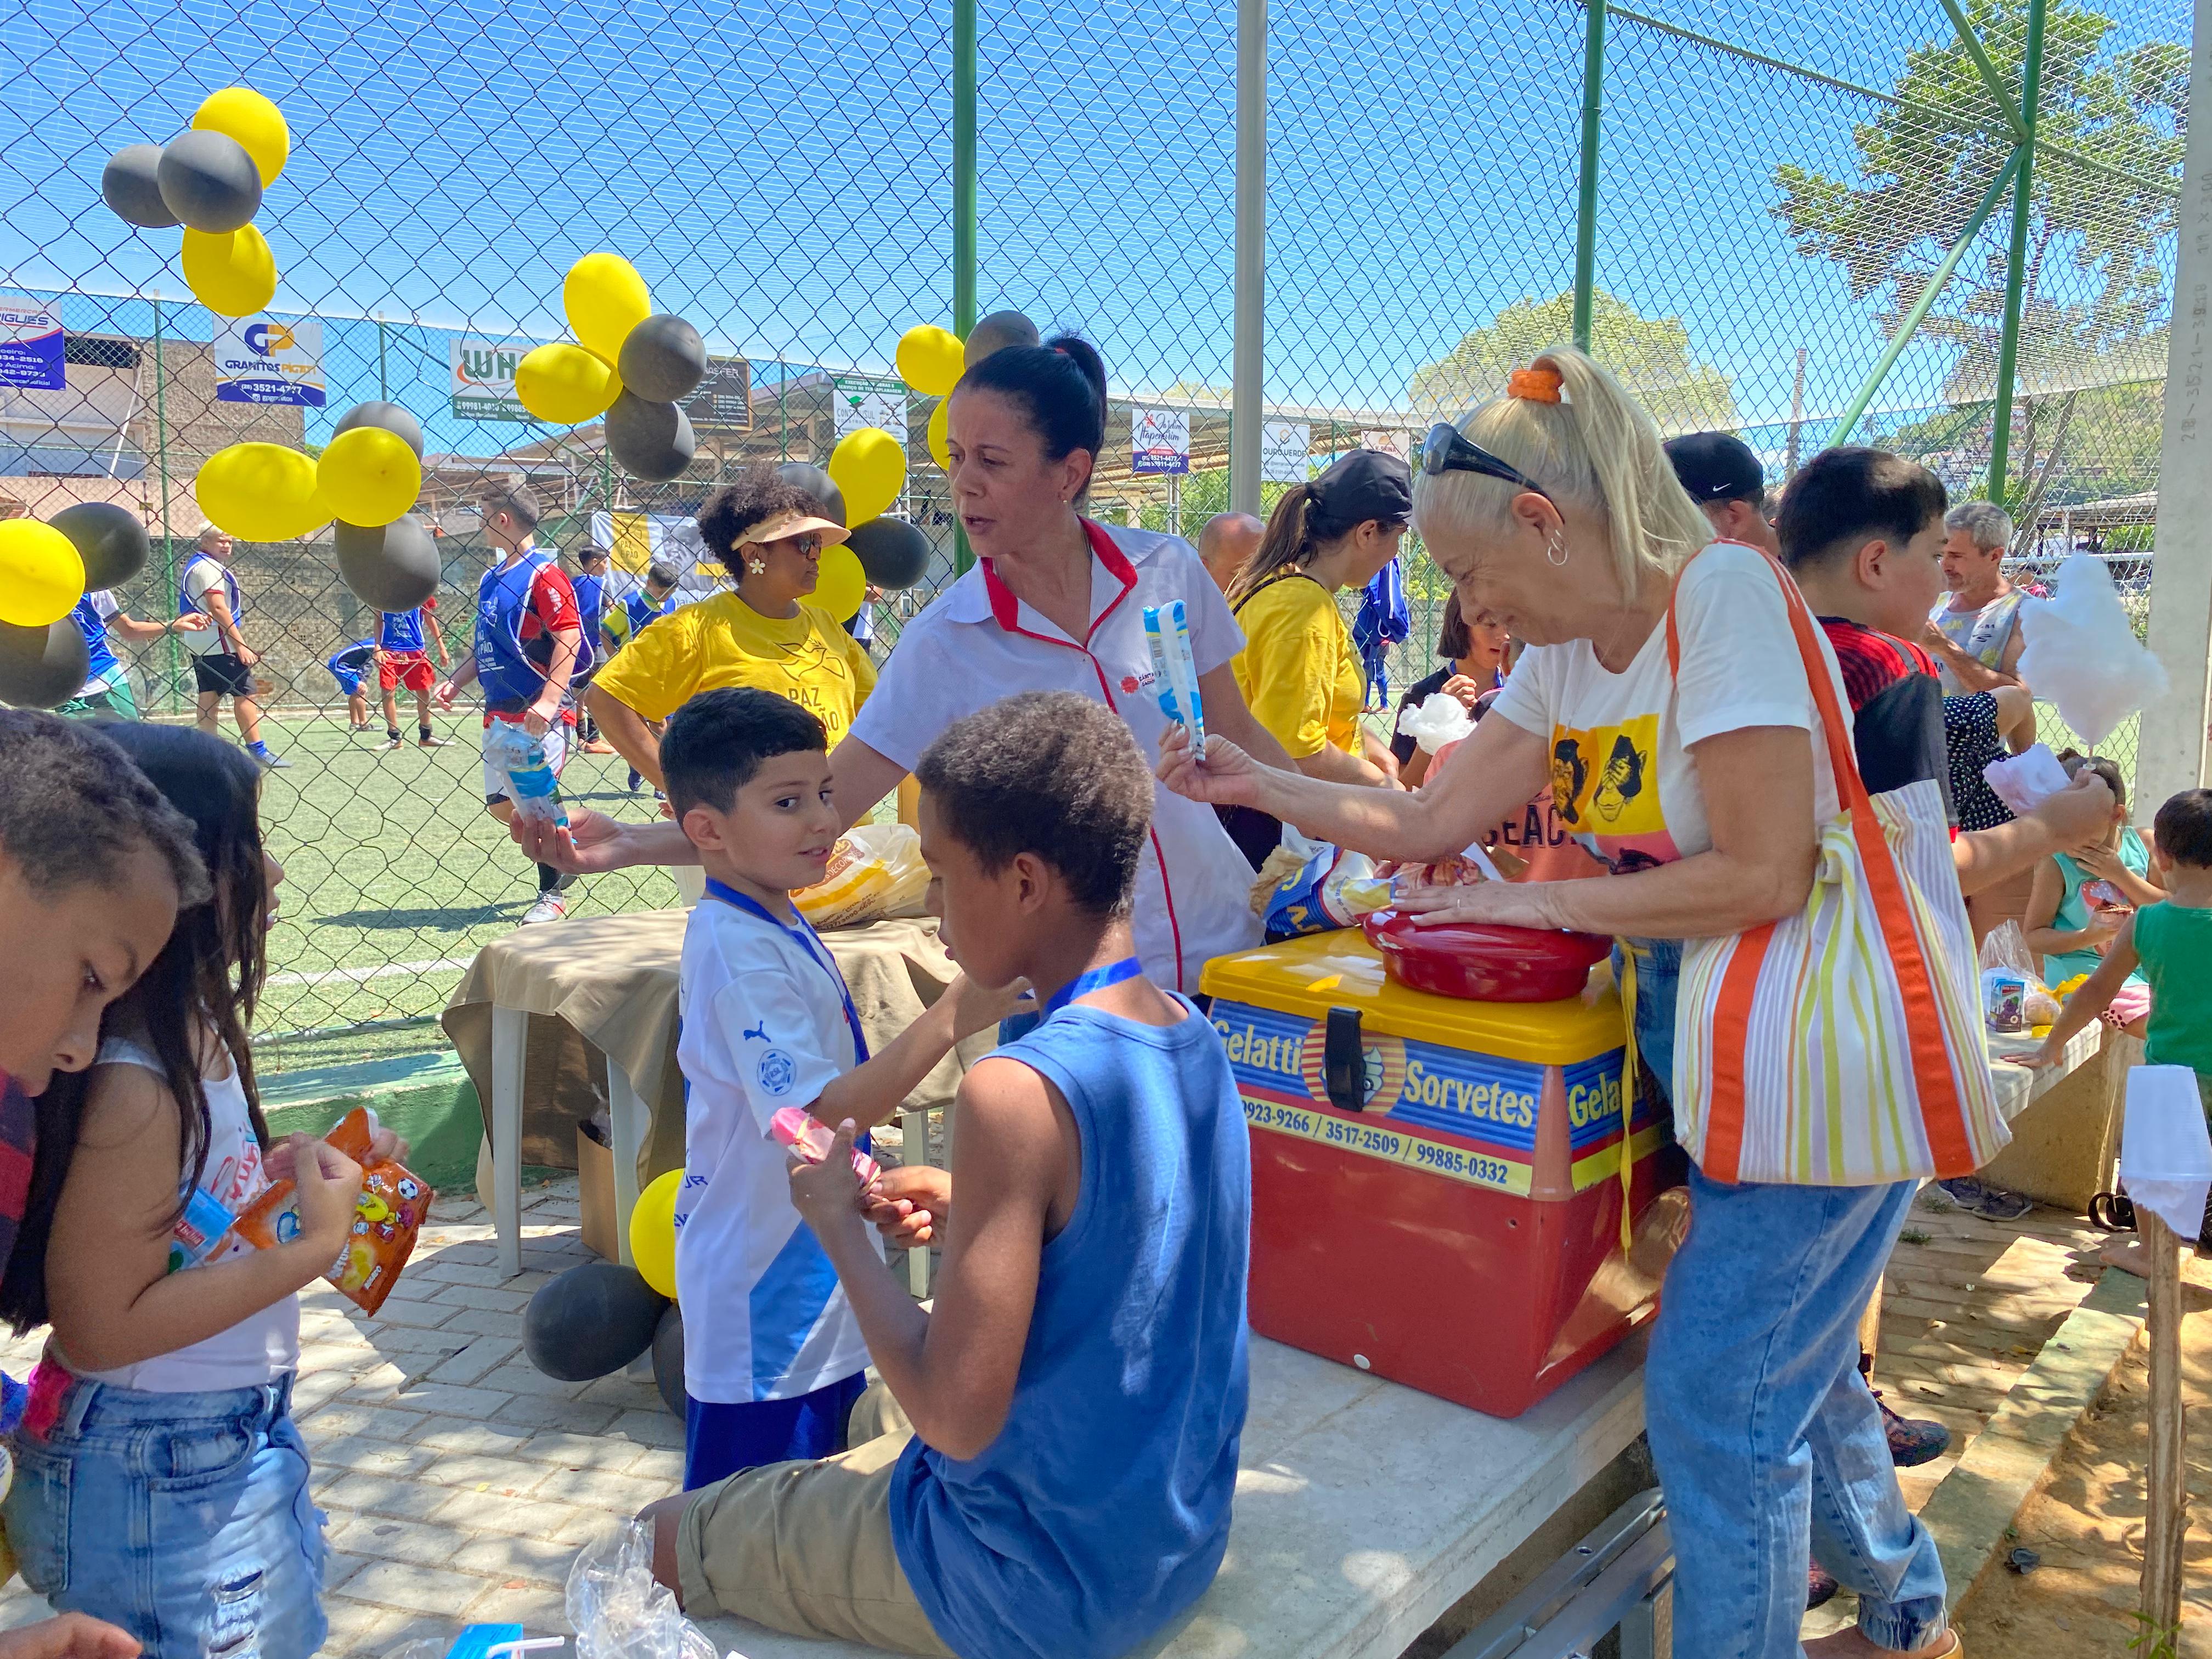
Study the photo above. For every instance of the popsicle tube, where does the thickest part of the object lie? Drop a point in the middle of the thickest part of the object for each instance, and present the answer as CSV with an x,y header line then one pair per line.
x,y
811,1138
1167,630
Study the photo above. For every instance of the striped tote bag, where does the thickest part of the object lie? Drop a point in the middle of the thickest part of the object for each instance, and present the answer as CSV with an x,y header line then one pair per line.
x,y
1842,1046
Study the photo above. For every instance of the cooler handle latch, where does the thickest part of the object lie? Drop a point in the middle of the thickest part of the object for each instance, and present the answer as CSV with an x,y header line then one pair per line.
x,y
1344,1061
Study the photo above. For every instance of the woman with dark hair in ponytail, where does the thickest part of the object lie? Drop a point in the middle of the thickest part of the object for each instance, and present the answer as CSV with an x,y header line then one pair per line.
x,y
1299,671
1055,602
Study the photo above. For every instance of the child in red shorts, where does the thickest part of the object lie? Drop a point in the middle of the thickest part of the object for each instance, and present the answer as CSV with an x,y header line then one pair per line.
x,y
401,660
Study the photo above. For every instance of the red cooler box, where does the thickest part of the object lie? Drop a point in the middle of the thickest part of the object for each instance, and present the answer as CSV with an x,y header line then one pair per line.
x,y
1436,1192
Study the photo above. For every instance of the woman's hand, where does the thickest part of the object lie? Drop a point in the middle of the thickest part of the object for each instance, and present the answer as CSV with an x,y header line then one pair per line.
x,y
329,1184
589,844
1489,902
1230,777
908,1205
827,1194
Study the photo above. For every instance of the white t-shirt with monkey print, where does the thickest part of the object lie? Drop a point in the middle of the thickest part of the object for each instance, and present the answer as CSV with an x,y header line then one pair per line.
x,y
1623,781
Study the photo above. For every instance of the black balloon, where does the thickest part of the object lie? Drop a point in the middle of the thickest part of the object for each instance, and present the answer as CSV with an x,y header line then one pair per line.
x,y
209,181
996,332
42,667
829,499
590,1320
652,441
662,358
131,186
392,567
390,416
892,551
109,539
668,1358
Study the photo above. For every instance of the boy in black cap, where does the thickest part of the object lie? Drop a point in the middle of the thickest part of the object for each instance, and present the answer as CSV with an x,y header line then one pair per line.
x,y
1725,478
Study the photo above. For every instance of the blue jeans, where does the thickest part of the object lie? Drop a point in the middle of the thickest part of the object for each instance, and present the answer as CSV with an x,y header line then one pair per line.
x,y
183,1517
1658,977
1764,1432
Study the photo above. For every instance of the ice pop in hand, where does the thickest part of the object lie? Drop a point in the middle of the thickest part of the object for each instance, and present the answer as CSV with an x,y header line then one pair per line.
x,y
1167,630
811,1138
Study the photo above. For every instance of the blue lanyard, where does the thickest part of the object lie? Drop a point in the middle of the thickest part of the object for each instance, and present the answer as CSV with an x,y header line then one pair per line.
x,y
811,942
1094,979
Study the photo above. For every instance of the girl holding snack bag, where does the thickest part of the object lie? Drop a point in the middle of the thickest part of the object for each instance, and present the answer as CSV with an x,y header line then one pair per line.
x,y
2081,900
160,1482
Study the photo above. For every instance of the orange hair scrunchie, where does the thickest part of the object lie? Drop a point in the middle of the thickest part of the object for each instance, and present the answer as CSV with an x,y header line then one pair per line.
x,y
1538,386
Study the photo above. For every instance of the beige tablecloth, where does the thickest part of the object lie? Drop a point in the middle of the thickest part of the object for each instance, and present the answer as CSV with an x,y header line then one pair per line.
x,y
604,988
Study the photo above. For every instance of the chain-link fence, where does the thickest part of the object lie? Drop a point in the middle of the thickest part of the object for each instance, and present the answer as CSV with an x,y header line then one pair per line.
x,y
1801,222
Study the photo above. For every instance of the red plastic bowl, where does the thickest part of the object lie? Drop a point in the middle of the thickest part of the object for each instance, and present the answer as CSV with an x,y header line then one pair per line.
x,y
1484,962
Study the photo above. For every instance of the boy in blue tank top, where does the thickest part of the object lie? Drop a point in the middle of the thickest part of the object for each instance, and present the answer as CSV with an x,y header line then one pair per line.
x,y
1047,1467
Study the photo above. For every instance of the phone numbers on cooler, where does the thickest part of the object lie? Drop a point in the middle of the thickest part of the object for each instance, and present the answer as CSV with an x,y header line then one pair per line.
x,y
1388,1145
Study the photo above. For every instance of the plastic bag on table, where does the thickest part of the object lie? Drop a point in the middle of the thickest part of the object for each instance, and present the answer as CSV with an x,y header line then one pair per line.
x,y
618,1612
2081,652
1438,719
1313,887
2014,995
876,871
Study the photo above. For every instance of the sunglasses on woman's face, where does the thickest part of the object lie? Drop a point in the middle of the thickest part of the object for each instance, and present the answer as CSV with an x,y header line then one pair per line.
x,y
1446,450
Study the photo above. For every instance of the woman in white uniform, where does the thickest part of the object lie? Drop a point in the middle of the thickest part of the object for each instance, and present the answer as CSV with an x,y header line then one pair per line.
x,y
1054,602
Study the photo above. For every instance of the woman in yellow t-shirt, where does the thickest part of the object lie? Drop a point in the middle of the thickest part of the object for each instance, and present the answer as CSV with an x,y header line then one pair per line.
x,y
770,534
1299,670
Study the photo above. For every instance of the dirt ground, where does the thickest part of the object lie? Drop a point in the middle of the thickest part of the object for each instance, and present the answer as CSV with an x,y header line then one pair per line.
x,y
2087,1526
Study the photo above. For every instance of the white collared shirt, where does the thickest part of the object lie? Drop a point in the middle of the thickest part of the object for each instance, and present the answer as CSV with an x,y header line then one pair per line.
x,y
975,643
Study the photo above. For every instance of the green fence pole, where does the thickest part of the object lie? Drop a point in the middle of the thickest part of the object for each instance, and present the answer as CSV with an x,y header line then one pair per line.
x,y
2023,187
174,670
964,204
1918,314
383,383
1586,201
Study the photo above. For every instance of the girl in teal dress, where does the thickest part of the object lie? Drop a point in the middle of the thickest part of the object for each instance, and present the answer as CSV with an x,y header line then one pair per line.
x,y
2080,901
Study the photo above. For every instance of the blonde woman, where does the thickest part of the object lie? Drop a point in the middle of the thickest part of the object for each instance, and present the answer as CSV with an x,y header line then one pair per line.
x,y
1701,784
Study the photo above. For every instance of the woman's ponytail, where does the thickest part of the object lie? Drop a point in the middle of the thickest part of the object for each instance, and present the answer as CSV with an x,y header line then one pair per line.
x,y
1287,542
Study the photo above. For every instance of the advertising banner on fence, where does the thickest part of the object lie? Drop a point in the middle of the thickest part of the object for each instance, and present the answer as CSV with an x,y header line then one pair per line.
x,y
861,402
483,379
1159,441
724,400
1283,447
258,360
30,344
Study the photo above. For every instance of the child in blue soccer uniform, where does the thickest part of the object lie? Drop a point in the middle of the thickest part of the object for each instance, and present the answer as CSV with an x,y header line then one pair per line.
x,y
402,660
773,1358
348,664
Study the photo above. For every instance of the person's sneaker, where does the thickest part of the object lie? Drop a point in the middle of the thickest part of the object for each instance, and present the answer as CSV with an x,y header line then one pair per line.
x,y
1820,1587
2002,1204
389,745
550,907
599,746
270,762
431,743
1913,1440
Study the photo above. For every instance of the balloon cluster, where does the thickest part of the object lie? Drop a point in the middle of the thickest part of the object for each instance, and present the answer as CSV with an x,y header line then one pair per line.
x,y
366,478
595,1319
45,569
209,178
628,363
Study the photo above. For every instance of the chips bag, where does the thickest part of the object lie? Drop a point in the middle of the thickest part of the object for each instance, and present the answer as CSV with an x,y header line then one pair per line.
x,y
876,871
387,1216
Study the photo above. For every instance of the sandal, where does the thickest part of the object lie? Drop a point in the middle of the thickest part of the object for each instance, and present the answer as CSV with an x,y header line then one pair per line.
x,y
2112,1212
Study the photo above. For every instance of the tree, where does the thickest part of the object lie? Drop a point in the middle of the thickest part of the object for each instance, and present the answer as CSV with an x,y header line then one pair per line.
x,y
1651,356
2094,291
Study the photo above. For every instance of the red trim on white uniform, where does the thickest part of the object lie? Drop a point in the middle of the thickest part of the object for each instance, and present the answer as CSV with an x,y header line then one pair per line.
x,y
1007,610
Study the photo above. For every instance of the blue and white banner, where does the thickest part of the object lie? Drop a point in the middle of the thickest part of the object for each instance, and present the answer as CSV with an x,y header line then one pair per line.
x,y
30,344
1159,441
258,360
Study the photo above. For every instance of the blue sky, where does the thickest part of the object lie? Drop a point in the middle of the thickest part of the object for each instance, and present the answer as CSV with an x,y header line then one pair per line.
x,y
780,173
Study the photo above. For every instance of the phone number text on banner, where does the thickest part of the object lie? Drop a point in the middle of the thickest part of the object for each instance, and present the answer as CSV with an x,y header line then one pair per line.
x,y
1377,1139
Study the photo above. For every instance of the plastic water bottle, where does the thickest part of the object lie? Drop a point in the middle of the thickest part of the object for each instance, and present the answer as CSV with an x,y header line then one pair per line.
x,y
530,784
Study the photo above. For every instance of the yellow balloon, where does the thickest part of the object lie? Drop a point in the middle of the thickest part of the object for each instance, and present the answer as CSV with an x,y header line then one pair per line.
x,y
231,272
869,466
244,114
841,584
605,298
369,476
929,359
42,574
940,434
563,384
261,493
653,1232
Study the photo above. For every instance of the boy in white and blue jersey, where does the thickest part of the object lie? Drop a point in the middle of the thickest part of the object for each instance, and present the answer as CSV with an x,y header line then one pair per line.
x,y
774,1358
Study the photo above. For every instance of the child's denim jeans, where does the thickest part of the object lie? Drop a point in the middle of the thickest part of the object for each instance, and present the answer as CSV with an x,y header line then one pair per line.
x,y
1764,1434
183,1517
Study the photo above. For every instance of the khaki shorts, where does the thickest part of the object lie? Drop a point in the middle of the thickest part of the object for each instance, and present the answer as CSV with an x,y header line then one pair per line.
x,y
807,1548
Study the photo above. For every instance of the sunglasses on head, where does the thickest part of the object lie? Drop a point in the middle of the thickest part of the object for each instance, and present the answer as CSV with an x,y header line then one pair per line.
x,y
1446,450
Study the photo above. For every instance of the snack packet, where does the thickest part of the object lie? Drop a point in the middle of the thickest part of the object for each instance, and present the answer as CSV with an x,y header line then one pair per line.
x,y
387,1216
808,1135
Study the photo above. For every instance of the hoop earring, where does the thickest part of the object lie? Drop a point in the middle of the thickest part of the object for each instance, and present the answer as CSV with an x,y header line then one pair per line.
x,y
1555,552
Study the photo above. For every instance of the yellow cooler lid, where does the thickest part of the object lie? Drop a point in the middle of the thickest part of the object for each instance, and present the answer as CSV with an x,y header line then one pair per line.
x,y
1317,972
